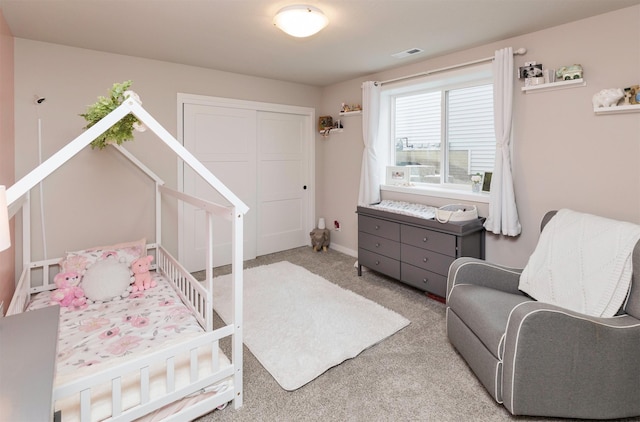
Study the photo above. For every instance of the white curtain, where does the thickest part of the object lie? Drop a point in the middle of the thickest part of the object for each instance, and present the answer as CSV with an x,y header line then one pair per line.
x,y
503,213
371,163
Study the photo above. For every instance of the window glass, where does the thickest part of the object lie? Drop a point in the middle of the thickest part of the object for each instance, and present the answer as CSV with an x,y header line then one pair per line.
x,y
445,133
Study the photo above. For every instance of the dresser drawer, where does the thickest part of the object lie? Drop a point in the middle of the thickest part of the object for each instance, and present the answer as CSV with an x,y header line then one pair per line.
x,y
380,263
424,280
426,259
382,228
379,245
429,239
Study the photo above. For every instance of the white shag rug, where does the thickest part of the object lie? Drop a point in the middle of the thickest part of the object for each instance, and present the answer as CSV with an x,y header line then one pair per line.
x,y
298,325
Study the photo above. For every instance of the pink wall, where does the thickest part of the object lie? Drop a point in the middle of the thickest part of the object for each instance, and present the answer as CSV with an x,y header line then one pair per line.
x,y
7,150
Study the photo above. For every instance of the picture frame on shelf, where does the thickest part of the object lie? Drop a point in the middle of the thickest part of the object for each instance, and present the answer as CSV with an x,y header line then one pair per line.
x,y
533,70
486,181
398,175
325,122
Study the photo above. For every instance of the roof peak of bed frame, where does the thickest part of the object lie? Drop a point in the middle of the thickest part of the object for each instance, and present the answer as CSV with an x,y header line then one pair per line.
x,y
130,105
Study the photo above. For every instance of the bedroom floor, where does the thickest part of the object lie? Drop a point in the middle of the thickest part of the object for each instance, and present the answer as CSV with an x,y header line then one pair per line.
x,y
412,375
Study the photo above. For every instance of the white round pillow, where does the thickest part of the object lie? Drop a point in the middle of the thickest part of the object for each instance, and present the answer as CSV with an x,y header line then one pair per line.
x,y
106,280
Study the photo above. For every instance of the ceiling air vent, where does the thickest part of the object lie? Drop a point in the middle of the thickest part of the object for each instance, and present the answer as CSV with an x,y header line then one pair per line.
x,y
407,53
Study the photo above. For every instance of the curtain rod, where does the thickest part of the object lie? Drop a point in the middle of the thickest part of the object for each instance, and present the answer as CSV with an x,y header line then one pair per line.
x,y
519,51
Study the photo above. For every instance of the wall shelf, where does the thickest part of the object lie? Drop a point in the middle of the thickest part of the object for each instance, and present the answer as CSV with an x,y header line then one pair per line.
x,y
332,130
633,108
351,113
573,83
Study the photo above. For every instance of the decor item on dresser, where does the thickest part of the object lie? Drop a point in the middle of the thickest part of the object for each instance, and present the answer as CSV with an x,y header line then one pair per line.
x,y
476,180
413,247
456,212
398,175
568,347
486,181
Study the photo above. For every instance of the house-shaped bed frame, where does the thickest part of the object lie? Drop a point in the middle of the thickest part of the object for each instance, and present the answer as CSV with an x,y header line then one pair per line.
x,y
37,277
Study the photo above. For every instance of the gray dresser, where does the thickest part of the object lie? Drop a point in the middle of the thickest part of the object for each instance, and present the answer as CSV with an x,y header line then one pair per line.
x,y
414,250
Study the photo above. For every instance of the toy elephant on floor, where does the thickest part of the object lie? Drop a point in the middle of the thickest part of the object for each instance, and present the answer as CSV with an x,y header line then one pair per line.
x,y
320,239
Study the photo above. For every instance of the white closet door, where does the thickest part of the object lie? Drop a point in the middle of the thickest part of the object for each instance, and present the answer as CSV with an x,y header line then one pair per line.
x,y
224,140
282,185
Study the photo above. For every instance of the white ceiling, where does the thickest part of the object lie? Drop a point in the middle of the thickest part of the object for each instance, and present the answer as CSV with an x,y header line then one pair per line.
x,y
238,35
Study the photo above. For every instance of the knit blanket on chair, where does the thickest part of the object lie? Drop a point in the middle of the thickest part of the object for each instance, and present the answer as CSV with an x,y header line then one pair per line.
x,y
583,263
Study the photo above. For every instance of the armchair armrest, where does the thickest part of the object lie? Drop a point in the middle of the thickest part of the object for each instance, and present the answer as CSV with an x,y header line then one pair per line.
x,y
563,363
482,273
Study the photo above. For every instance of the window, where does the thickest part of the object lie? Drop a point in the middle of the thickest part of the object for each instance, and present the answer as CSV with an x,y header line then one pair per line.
x,y
443,129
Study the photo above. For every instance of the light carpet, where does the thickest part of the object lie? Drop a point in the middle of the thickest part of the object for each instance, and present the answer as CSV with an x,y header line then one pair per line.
x,y
299,325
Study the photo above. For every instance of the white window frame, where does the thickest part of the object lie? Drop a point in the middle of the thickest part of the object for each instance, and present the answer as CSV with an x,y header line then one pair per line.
x,y
454,79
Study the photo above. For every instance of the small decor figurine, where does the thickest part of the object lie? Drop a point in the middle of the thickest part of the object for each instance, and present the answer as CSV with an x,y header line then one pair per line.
x,y
633,94
566,73
346,108
320,239
607,97
476,180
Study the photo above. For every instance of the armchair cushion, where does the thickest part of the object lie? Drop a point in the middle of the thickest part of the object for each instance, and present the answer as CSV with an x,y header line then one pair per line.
x,y
486,312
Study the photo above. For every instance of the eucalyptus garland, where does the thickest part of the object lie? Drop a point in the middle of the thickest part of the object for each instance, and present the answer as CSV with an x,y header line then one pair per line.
x,y
121,131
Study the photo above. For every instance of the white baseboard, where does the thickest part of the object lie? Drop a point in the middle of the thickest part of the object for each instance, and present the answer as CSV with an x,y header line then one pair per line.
x,y
344,250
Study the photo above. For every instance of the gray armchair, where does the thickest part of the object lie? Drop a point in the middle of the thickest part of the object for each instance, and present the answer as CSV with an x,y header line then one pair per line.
x,y
539,359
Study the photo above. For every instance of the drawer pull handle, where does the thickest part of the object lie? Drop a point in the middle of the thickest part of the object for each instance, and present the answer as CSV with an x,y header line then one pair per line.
x,y
425,280
424,239
377,262
377,227
425,259
377,245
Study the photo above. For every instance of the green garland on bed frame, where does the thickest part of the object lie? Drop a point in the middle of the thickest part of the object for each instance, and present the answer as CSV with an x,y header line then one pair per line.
x,y
121,131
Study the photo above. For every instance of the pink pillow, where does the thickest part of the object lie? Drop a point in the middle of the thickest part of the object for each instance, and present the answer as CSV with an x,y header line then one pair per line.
x,y
127,252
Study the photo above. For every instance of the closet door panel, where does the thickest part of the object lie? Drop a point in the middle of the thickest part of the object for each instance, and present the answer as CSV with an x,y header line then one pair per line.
x,y
265,157
224,140
282,194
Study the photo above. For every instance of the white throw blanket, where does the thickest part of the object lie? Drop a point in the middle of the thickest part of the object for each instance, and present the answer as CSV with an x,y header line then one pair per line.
x,y
582,262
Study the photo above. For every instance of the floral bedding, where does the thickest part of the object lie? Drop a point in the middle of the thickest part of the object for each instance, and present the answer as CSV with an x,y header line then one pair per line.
x,y
116,329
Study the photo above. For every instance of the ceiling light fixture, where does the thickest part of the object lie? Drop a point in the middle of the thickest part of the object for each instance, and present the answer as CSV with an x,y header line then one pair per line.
x,y
300,20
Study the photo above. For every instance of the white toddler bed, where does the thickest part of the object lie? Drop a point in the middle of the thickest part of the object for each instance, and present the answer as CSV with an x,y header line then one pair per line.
x,y
154,354
98,336
138,355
